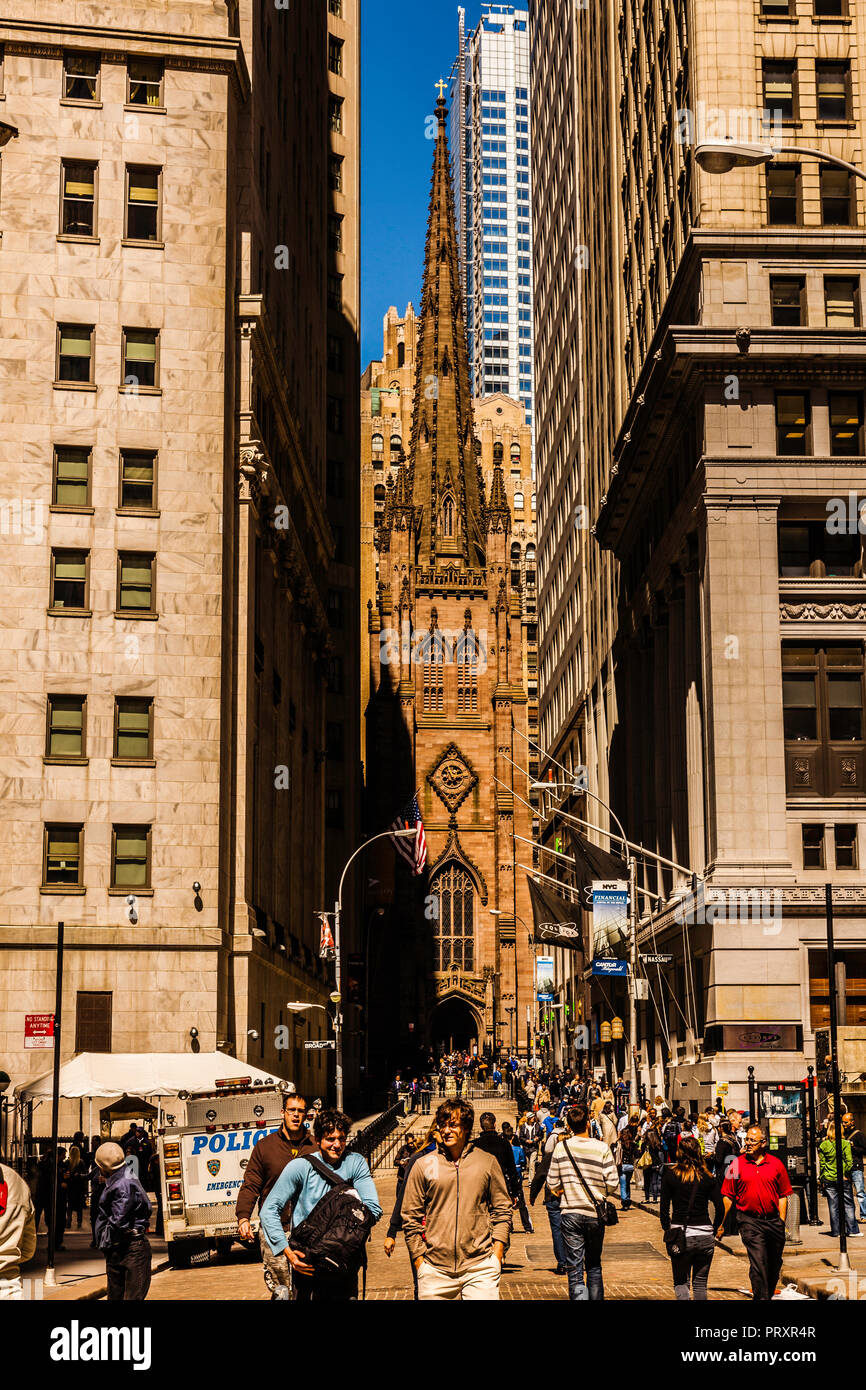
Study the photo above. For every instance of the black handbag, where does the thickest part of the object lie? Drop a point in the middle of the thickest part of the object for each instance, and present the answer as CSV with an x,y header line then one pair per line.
x,y
675,1236
605,1211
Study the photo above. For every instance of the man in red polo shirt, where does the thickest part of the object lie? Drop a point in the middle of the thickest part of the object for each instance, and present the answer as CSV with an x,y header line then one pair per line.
x,y
759,1186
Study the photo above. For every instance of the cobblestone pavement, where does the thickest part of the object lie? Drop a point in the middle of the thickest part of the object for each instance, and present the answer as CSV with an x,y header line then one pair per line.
x,y
635,1265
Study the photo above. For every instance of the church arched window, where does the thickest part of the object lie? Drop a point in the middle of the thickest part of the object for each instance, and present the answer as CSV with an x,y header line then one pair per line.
x,y
455,920
466,655
433,664
448,516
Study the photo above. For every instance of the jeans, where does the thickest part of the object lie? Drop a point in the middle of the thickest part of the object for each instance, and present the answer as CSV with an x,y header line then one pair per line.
x,y
857,1180
425,1102
625,1183
652,1181
554,1216
831,1192
693,1268
583,1239
523,1210
128,1267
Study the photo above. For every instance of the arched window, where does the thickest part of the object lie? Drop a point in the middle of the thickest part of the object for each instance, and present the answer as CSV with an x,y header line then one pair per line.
x,y
530,554
401,354
448,516
455,920
379,494
378,444
466,655
518,501
433,661
515,450
396,444
532,502
515,553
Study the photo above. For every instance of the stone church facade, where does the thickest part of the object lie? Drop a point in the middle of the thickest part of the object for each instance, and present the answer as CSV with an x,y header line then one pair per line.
x,y
447,719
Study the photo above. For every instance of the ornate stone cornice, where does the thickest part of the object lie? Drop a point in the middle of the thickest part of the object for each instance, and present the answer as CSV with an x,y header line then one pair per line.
x,y
822,612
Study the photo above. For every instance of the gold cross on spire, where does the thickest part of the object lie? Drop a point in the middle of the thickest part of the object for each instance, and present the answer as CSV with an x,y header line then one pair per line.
x,y
441,84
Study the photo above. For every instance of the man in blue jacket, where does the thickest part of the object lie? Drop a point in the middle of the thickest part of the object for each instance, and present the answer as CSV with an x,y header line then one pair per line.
x,y
122,1220
300,1185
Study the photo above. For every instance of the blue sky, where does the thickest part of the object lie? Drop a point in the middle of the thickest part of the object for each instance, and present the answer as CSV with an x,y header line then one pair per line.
x,y
405,49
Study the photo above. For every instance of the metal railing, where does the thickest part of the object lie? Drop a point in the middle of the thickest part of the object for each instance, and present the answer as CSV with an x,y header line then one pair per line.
x,y
376,1139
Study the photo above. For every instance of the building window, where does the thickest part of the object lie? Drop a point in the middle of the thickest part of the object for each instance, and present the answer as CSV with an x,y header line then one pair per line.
x,y
833,82
133,728
335,292
793,423
467,672
846,423
81,76
75,352
455,922
135,582
93,1021
335,353
830,9
334,810
69,580
335,172
780,91
335,675
433,656
378,446
783,195
335,114
335,607
71,477
144,79
78,199
130,856
61,856
142,203
837,209
813,846
775,7
335,414
335,232
807,549
140,357
788,301
335,741
336,7
137,479
335,478
518,501
822,697
842,301
335,55
66,724
448,518
846,846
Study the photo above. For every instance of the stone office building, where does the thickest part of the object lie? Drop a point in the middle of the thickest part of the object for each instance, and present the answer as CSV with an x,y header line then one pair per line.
x,y
702,625
178,349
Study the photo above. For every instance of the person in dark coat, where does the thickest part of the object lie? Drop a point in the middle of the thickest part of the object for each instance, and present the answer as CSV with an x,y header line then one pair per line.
x,y
121,1228
688,1190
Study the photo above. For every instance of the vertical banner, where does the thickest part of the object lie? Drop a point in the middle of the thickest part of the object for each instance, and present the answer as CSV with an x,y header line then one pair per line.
x,y
609,915
544,979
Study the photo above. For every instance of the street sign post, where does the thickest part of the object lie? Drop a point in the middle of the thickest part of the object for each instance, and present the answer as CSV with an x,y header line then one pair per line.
x,y
318,1043
657,960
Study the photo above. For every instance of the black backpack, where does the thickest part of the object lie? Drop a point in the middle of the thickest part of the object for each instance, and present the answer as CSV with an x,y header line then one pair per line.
x,y
336,1231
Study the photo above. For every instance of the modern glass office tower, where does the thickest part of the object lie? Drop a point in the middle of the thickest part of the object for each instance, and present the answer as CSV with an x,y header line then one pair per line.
x,y
491,170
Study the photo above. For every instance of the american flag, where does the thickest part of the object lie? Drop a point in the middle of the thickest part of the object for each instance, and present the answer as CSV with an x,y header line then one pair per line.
x,y
413,851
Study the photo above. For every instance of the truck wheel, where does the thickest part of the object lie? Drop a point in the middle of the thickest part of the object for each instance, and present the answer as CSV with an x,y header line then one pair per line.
x,y
178,1258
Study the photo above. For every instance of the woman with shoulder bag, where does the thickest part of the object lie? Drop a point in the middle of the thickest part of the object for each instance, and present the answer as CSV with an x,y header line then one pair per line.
x,y
651,1160
687,1189
626,1160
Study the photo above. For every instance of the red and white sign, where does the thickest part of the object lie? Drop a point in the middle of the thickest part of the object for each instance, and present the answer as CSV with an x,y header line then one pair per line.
x,y
39,1030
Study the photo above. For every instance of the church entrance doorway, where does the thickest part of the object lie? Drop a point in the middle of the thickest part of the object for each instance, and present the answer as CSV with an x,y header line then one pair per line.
x,y
454,1027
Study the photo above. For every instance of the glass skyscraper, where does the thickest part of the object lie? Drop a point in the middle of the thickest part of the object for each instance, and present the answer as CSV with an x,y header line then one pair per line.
x,y
491,170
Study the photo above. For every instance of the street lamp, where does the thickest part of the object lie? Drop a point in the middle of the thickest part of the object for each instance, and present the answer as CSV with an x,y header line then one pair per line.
x,y
338,908
7,133
721,156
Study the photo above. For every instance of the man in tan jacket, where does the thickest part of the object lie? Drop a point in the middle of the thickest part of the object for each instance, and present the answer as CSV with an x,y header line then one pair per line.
x,y
17,1231
457,1214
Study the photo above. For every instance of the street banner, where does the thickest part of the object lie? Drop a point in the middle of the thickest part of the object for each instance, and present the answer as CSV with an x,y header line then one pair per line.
x,y
544,979
39,1031
327,950
609,915
609,965
592,864
557,921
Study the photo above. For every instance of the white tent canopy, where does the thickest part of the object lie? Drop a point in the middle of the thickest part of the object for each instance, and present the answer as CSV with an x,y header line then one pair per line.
x,y
110,1074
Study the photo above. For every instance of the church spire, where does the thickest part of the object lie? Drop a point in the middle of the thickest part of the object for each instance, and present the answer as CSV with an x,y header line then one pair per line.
x,y
445,478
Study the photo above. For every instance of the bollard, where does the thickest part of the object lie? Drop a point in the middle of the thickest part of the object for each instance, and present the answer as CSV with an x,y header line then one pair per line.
x,y
792,1219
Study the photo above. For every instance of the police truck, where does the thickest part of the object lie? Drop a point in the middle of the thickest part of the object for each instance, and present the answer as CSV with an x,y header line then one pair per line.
x,y
204,1148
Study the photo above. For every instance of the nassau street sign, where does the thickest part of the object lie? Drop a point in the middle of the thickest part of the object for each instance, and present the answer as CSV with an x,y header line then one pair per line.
x,y
656,960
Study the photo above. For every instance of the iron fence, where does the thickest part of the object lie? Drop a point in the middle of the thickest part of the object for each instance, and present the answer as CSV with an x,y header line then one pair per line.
x,y
376,1139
